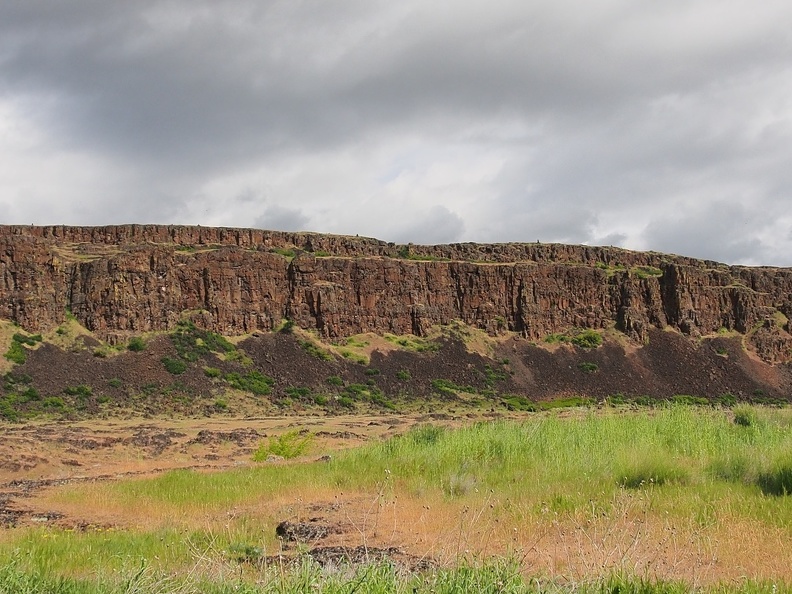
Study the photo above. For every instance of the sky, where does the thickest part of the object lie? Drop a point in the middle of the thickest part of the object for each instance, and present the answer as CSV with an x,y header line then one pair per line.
x,y
662,126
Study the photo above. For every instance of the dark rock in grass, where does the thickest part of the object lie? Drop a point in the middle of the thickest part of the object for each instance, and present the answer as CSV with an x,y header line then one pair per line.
x,y
156,441
9,517
361,555
303,531
352,555
240,437
46,517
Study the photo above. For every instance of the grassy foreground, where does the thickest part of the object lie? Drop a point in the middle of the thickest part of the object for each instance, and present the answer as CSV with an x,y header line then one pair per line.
x,y
676,499
493,579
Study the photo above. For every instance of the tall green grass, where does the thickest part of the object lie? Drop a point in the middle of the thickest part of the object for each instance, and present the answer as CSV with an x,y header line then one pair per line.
x,y
582,456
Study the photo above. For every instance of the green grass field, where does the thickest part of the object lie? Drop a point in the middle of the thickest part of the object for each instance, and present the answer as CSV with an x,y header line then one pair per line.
x,y
609,500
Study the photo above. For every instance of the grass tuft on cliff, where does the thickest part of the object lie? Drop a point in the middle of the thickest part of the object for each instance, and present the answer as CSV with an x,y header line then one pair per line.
x,y
192,343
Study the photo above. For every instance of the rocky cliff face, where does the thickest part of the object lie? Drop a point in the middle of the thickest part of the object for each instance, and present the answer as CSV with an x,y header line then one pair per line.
x,y
129,279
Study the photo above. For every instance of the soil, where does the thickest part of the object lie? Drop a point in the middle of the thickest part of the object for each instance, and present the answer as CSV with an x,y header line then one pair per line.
x,y
669,364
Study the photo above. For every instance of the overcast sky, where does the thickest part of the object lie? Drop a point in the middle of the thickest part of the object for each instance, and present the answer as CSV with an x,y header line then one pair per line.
x,y
650,125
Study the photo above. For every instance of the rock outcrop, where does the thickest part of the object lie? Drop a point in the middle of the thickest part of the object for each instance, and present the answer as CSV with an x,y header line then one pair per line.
x,y
127,279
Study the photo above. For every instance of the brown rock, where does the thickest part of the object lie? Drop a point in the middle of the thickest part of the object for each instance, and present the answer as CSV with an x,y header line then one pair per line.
x,y
120,280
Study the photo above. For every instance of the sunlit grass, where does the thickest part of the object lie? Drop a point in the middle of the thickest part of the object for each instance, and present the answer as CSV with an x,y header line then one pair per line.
x,y
578,459
545,454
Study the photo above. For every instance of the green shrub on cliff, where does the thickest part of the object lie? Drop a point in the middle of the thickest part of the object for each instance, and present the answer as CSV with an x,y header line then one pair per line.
x,y
174,366
252,381
192,343
136,344
587,339
315,350
28,340
16,353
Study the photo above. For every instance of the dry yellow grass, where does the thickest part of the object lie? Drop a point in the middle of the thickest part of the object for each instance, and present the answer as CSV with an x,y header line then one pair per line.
x,y
631,537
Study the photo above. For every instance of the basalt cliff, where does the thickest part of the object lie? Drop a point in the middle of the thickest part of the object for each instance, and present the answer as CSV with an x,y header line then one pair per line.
x,y
129,280
136,278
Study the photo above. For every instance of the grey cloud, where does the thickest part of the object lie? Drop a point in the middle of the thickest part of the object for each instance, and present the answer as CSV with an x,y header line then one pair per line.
x,y
551,221
235,78
282,219
435,226
614,239
721,231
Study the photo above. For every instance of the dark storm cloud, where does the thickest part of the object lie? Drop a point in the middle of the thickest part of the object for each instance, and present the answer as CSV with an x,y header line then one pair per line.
x,y
424,122
142,78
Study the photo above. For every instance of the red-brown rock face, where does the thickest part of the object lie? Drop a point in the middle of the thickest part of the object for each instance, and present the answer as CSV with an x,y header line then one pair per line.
x,y
126,279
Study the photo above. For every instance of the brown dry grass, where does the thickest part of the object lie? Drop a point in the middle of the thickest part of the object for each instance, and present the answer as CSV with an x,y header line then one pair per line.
x,y
7,330
84,252
631,538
